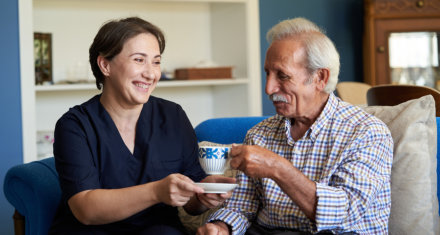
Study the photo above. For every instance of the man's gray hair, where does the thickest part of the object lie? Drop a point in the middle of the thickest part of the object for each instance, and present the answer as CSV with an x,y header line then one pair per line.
x,y
320,50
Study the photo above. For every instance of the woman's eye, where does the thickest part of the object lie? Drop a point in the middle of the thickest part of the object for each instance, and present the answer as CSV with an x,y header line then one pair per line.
x,y
157,62
140,60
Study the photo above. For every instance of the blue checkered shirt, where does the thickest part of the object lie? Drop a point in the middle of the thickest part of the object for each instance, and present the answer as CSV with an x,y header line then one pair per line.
x,y
346,152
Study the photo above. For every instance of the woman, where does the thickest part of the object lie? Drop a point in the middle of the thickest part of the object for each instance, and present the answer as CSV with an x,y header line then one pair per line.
x,y
126,159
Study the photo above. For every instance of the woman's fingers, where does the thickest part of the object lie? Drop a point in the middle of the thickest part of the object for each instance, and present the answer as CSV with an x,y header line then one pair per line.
x,y
178,189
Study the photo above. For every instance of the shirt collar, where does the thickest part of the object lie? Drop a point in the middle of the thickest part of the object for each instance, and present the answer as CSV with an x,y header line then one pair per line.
x,y
324,116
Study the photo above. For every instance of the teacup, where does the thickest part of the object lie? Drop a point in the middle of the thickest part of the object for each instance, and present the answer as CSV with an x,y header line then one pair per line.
x,y
214,159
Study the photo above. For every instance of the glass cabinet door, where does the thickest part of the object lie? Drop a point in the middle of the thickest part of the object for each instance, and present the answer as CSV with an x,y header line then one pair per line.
x,y
414,58
401,42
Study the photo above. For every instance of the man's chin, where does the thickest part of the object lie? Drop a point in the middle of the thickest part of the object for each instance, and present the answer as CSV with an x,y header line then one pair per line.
x,y
281,108
280,111
279,105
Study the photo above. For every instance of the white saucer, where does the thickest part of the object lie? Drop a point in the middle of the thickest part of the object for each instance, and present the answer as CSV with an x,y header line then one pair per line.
x,y
216,187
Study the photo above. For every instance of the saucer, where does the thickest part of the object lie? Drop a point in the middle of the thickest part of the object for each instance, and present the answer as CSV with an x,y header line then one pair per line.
x,y
216,187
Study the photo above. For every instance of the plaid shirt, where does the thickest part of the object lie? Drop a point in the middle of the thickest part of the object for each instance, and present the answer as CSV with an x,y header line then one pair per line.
x,y
346,152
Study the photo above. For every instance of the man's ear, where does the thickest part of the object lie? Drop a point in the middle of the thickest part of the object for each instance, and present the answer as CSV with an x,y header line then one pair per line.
x,y
322,76
104,65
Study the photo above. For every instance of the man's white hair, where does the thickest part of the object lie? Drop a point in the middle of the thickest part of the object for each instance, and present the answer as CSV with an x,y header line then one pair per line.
x,y
320,50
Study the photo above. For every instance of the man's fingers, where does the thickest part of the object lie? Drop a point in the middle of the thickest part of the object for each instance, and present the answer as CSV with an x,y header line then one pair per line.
x,y
235,163
236,150
208,228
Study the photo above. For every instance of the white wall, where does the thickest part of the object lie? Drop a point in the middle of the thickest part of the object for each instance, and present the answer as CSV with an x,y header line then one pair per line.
x,y
71,42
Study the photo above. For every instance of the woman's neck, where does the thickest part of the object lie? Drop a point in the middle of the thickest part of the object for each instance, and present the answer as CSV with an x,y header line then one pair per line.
x,y
124,116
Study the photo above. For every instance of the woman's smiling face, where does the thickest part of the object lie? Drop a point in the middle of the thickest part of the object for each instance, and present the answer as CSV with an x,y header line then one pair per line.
x,y
133,74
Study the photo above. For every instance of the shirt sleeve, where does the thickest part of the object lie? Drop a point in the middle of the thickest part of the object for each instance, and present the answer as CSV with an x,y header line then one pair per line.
x,y
364,173
242,206
73,158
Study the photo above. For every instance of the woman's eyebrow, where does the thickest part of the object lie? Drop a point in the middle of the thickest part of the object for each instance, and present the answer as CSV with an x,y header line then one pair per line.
x,y
139,53
145,55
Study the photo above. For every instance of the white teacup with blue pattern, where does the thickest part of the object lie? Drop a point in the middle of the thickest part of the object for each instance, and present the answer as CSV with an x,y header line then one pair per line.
x,y
214,159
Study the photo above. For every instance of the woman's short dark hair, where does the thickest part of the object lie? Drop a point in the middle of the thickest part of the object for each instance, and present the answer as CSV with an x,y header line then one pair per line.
x,y
112,36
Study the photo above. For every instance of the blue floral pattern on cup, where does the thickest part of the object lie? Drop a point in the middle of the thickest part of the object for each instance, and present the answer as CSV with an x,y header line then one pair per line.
x,y
213,160
214,153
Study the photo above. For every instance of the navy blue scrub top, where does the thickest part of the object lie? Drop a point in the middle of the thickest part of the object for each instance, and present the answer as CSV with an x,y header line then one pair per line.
x,y
90,154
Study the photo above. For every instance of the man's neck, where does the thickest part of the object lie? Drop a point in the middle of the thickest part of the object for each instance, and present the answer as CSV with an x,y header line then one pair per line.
x,y
300,125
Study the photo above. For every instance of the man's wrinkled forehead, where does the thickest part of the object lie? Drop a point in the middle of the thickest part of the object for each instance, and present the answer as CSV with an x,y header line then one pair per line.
x,y
284,52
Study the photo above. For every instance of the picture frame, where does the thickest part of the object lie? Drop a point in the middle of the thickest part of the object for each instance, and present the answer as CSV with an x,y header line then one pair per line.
x,y
43,58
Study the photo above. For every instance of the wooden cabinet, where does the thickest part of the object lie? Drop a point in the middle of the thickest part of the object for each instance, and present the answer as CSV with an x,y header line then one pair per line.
x,y
386,19
223,31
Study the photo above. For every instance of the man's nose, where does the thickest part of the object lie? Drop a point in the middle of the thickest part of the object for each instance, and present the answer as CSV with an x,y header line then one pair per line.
x,y
272,85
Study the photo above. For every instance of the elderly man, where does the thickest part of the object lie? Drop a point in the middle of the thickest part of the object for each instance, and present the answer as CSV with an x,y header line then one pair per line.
x,y
320,165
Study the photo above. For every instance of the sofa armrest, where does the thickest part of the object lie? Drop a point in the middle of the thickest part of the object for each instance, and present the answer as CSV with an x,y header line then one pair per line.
x,y
34,190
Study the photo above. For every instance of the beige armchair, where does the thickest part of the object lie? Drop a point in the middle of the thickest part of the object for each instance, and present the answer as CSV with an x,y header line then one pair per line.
x,y
353,92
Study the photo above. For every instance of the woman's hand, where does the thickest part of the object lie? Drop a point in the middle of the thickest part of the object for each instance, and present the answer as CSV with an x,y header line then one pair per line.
x,y
176,190
212,200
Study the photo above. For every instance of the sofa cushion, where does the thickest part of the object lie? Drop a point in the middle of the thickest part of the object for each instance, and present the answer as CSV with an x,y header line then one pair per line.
x,y
414,203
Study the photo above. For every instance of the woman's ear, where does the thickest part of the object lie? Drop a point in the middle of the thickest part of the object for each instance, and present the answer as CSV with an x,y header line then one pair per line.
x,y
104,65
322,76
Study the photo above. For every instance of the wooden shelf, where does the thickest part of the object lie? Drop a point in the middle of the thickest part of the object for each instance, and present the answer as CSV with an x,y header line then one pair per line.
x,y
179,83
161,1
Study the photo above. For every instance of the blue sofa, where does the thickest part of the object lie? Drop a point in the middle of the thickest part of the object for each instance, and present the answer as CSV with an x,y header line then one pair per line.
x,y
33,188
34,191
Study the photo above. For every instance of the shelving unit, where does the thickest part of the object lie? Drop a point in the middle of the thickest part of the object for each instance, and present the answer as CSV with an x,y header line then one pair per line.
x,y
223,31
176,83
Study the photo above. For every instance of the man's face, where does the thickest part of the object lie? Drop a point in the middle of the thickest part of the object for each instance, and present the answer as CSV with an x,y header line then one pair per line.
x,y
292,89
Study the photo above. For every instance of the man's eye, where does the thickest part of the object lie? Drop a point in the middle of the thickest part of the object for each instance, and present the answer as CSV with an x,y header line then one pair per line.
x,y
283,76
